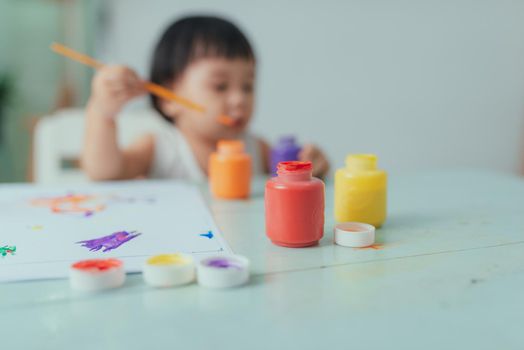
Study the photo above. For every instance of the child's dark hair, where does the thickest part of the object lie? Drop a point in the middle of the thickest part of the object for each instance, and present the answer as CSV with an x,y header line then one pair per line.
x,y
191,38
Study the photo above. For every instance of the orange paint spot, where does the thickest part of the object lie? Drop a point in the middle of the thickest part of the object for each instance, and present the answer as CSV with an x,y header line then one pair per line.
x,y
70,204
376,246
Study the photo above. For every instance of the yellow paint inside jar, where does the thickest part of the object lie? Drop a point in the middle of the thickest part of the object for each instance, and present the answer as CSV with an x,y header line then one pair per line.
x,y
168,259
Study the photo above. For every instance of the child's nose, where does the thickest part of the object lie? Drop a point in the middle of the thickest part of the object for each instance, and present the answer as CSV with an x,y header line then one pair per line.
x,y
237,98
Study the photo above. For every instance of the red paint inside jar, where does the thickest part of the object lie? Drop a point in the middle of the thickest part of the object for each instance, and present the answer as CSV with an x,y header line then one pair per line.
x,y
97,264
293,166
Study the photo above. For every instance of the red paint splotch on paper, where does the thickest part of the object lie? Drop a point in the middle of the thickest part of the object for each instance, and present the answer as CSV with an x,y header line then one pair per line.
x,y
376,246
86,205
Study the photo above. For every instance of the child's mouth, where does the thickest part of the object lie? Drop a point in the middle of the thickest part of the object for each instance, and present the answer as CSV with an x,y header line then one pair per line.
x,y
238,123
228,121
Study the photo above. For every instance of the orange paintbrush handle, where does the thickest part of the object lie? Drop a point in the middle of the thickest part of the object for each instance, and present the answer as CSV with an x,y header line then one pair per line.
x,y
153,88
164,93
76,56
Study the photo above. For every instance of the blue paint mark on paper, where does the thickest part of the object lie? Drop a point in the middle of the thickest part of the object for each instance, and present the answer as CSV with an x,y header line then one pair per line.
x,y
209,234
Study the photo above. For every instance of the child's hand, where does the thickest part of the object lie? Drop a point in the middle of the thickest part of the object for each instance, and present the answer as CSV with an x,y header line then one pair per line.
x,y
313,154
112,88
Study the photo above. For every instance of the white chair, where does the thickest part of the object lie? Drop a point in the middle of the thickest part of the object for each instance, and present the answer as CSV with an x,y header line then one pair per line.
x,y
58,141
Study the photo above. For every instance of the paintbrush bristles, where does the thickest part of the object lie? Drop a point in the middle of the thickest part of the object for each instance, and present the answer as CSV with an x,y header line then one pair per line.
x,y
226,120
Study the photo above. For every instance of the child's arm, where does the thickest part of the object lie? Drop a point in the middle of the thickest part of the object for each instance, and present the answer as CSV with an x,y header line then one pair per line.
x,y
102,159
315,155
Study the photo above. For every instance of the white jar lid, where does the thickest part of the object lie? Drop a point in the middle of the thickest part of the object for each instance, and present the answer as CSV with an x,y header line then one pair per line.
x,y
354,234
169,270
223,271
97,274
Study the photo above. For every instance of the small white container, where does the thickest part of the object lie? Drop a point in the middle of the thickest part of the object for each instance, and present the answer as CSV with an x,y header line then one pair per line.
x,y
169,270
97,274
223,271
354,234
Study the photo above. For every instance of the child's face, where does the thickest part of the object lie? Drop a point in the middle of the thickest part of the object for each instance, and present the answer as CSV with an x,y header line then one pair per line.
x,y
223,87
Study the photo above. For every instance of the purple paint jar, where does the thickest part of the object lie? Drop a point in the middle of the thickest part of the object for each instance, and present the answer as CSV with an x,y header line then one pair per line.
x,y
285,150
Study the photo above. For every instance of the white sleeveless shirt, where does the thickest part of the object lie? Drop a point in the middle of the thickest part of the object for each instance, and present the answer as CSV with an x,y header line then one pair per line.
x,y
174,159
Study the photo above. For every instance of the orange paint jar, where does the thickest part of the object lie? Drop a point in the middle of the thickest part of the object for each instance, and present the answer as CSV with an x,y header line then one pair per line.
x,y
230,170
294,201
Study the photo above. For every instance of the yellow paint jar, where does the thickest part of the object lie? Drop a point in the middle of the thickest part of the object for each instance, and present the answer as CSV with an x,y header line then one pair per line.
x,y
360,191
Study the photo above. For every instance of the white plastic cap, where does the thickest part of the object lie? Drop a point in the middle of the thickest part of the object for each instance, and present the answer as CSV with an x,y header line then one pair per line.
x,y
169,270
223,271
97,274
354,234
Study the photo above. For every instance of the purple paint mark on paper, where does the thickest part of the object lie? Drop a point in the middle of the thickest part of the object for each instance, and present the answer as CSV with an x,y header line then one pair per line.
x,y
209,234
109,242
222,263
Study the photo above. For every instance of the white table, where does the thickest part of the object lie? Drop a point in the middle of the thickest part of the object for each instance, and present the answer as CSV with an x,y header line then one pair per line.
x,y
450,275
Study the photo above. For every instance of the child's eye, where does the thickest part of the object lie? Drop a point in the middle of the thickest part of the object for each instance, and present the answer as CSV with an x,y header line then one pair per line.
x,y
247,88
220,87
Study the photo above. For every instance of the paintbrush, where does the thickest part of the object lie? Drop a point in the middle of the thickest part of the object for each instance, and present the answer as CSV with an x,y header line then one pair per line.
x,y
153,88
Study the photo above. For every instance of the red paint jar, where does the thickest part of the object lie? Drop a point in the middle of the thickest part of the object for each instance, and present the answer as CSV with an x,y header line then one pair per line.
x,y
294,206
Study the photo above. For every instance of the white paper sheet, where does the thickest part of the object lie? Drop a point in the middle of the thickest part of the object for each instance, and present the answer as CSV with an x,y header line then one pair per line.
x,y
45,224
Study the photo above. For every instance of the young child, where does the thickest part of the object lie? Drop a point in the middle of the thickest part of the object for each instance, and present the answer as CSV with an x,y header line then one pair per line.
x,y
204,59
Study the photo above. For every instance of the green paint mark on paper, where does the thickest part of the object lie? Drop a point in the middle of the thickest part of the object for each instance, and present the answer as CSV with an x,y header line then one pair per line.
x,y
7,249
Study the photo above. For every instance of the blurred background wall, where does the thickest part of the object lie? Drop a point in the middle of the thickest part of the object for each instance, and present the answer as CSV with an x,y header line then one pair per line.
x,y
38,81
424,84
